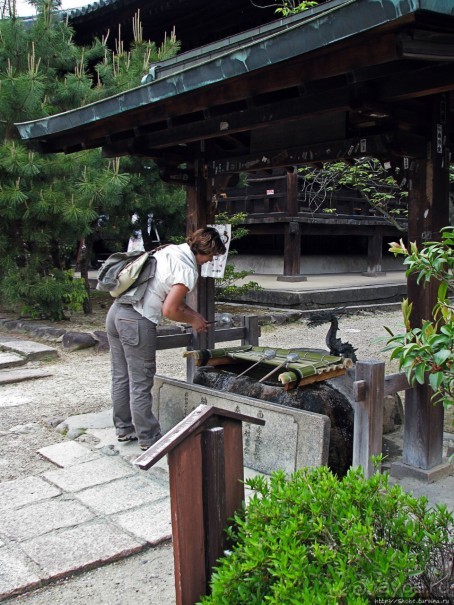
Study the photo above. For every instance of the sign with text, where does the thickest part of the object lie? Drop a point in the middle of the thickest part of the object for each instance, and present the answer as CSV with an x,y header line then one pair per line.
x,y
216,267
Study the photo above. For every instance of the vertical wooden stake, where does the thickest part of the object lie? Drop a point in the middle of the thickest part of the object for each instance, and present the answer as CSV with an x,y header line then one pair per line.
x,y
213,496
251,323
234,466
374,253
185,475
368,424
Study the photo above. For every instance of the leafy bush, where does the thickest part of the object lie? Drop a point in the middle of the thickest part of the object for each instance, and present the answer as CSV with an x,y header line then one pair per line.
x,y
226,287
313,538
426,352
39,295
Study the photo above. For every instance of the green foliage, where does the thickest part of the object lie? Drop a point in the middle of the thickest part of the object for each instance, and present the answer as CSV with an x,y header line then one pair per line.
x,y
292,7
227,287
366,176
426,352
314,538
50,204
236,221
40,294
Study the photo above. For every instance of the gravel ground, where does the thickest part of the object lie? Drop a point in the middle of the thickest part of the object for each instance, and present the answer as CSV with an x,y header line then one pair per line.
x,y
80,383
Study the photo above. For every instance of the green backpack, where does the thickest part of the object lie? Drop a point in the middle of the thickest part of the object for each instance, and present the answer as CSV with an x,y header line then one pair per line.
x,y
125,275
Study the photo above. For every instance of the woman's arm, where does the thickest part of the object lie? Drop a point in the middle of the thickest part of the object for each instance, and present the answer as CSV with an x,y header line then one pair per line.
x,y
175,308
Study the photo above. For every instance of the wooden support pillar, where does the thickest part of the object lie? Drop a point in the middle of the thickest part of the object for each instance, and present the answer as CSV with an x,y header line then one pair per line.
x,y
374,254
292,191
428,204
292,232
199,213
292,253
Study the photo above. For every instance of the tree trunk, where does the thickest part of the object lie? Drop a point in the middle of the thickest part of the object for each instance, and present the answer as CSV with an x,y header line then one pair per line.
x,y
83,256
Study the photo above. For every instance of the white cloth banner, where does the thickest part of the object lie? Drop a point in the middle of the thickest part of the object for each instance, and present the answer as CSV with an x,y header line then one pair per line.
x,y
216,267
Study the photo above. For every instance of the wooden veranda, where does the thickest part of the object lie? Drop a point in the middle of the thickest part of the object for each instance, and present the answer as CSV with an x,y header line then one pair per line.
x,y
349,79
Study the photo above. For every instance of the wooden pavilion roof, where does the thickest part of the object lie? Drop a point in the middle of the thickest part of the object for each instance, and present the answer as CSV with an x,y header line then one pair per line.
x,y
345,79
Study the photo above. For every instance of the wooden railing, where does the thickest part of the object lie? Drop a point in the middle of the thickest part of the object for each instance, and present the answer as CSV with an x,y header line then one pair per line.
x,y
248,332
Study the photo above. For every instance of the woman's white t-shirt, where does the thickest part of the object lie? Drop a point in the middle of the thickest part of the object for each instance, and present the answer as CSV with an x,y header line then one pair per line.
x,y
175,265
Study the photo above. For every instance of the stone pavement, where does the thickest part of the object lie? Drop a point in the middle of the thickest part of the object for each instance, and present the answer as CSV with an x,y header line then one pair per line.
x,y
94,508
97,507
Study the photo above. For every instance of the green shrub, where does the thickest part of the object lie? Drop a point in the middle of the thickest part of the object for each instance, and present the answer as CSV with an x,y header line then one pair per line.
x,y
313,538
226,287
37,295
426,352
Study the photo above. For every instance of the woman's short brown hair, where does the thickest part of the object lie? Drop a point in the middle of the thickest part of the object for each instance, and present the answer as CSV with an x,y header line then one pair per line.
x,y
206,241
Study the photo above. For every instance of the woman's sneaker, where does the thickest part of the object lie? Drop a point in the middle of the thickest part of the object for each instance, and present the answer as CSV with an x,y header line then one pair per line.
x,y
127,436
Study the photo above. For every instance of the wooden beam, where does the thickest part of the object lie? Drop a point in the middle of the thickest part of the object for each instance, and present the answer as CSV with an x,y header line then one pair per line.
x,y
380,145
364,52
226,124
430,80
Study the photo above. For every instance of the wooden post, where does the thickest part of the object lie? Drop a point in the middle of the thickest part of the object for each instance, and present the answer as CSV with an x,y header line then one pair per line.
x,y
292,253
200,212
368,423
252,329
292,191
234,466
185,475
214,496
292,232
428,203
374,254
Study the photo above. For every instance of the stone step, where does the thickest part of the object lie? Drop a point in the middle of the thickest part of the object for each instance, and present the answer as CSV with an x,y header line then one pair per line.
x,y
11,360
28,349
12,375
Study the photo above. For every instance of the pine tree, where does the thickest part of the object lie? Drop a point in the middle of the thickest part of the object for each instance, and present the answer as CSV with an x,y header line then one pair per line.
x,y
50,205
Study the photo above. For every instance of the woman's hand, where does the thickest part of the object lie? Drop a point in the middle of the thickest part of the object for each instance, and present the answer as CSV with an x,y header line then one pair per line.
x,y
176,309
198,322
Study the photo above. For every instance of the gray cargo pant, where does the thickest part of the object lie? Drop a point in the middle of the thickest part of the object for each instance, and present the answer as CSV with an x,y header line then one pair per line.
x,y
132,340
